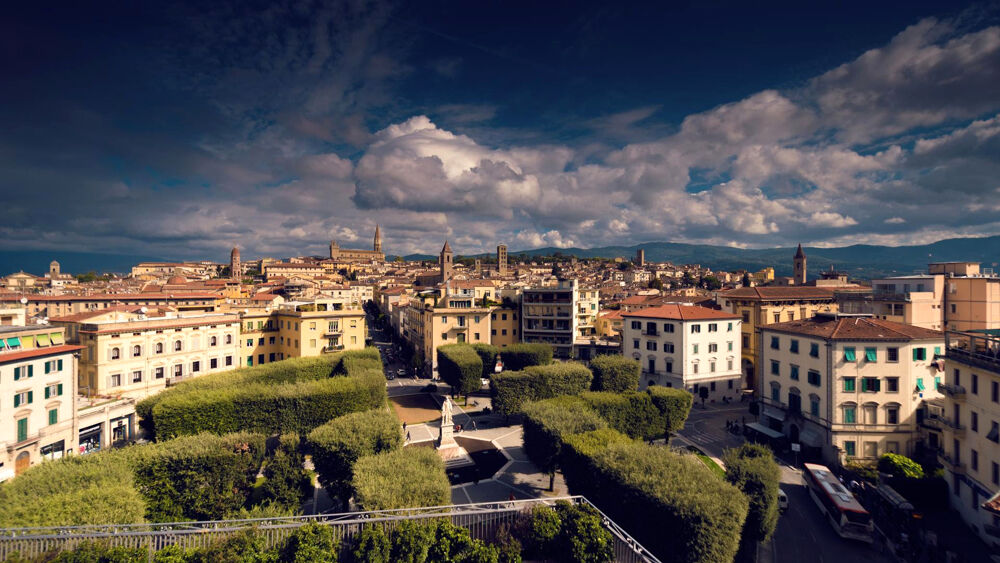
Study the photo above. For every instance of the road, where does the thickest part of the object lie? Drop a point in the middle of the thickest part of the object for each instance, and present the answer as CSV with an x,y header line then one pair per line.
x,y
803,533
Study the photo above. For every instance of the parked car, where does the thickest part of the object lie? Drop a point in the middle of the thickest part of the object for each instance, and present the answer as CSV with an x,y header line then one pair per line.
x,y
390,376
782,500
400,372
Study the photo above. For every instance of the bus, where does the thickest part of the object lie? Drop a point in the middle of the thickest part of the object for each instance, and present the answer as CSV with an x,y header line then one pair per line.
x,y
842,510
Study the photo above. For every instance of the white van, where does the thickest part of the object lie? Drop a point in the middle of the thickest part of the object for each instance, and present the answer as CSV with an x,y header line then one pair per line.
x,y
782,500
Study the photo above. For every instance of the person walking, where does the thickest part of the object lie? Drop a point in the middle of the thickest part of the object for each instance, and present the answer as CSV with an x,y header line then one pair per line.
x,y
407,436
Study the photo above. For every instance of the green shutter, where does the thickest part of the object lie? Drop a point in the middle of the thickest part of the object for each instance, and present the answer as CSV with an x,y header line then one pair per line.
x,y
849,384
22,429
17,373
849,354
871,354
920,383
31,397
937,350
47,368
31,370
59,367
878,385
17,400
918,354
59,390
937,382
47,393
53,416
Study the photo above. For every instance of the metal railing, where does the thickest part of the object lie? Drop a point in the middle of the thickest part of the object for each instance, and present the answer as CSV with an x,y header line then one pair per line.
x,y
481,519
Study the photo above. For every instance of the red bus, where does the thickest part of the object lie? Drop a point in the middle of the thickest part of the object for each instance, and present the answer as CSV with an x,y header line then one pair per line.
x,y
842,510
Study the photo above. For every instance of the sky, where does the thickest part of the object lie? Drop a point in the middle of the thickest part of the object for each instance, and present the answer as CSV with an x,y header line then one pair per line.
x,y
179,130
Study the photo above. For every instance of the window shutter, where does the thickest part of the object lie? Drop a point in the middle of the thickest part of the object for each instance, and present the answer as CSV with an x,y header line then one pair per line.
x,y
31,397
17,400
59,367
59,390
48,367
47,392
878,385
31,371
17,374
916,354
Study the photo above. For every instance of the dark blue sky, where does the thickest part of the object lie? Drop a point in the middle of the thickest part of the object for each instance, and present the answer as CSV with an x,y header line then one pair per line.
x,y
182,129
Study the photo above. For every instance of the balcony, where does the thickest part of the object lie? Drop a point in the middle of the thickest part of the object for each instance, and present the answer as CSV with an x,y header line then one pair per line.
x,y
333,332
954,392
976,349
653,332
332,349
945,425
947,461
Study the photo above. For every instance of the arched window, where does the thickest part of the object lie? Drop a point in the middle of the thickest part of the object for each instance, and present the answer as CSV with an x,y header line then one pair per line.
x,y
213,341
891,413
871,413
136,351
177,345
116,353
775,391
229,339
794,400
849,413
159,348
814,404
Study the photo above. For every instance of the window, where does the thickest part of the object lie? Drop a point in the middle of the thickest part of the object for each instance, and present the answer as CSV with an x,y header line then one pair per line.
x,y
777,317
270,340
775,367
158,373
668,327
116,353
694,367
974,421
712,348
729,346
850,415
260,341
849,355
814,405
229,339
22,429
444,336
53,416
713,327
249,361
195,367
668,347
892,384
892,354
260,359
814,350
975,383
794,372
24,372
54,390
670,367
272,356
249,342
475,336
694,349
775,343
213,363
994,391
994,435
871,355
137,376
729,365
996,473
746,341
158,348
53,366
919,354
848,384
711,368
849,448
695,329
177,345
794,346
651,345
636,325
136,351
116,380
213,341
746,316
729,327
870,384
813,377
974,462
776,393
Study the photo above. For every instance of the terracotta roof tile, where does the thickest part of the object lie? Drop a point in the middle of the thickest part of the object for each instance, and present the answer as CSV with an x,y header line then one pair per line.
x,y
681,313
854,328
779,293
38,352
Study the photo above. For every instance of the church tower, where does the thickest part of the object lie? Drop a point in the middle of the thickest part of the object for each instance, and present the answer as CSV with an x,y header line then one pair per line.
x,y
334,250
378,240
800,267
235,270
444,261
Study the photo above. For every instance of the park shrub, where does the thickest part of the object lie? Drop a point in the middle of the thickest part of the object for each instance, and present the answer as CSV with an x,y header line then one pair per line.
x,y
250,404
287,483
900,466
752,468
567,533
410,477
577,455
338,444
614,373
519,356
674,404
632,413
547,422
510,390
649,490
488,355
371,545
461,367
311,543
411,540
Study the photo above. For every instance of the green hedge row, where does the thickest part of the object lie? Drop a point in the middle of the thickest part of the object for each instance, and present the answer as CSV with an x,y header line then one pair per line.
x,y
752,468
488,354
547,422
249,404
615,373
461,367
675,404
338,444
519,356
195,477
632,413
510,390
406,478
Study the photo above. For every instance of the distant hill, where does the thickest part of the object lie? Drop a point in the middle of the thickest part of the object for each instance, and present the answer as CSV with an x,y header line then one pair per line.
x,y
859,260
37,261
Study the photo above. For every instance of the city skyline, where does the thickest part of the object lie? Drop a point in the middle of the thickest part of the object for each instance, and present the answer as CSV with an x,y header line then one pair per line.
x,y
174,132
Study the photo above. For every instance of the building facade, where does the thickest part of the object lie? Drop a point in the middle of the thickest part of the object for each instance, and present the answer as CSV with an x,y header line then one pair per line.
x,y
299,329
686,346
549,315
848,386
338,254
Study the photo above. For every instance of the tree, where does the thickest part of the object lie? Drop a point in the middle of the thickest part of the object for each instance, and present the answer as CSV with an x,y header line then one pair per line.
x,y
545,424
711,283
752,469
900,466
674,404
461,367
656,283
746,279
615,373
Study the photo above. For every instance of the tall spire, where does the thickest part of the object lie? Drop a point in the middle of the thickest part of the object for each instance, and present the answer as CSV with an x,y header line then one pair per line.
x,y
799,253
378,239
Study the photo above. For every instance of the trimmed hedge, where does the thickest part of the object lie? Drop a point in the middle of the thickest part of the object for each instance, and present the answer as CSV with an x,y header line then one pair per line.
x,y
338,444
674,404
461,367
614,373
519,356
752,468
671,503
228,402
576,458
547,422
631,413
410,477
196,477
510,390
488,354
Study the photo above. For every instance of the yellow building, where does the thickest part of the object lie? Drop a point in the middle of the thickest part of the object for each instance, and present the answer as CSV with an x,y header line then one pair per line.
x,y
301,329
431,320
505,327
970,426
763,276
761,306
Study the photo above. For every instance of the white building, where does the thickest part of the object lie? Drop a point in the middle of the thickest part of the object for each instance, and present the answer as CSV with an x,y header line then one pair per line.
x,y
686,346
549,315
847,386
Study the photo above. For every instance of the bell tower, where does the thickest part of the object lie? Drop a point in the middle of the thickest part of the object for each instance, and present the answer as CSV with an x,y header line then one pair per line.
x,y
378,240
444,262
800,267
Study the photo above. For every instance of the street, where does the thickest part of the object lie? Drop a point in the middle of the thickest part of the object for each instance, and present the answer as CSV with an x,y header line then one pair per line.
x,y
803,534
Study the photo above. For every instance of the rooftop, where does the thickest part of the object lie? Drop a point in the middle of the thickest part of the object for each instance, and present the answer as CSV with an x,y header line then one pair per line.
x,y
854,327
682,313
779,293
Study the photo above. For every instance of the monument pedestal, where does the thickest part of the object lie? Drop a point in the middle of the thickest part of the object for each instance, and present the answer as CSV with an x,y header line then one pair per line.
x,y
454,455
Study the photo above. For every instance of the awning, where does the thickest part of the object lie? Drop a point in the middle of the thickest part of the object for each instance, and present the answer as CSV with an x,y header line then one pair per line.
x,y
811,438
920,383
849,354
42,340
870,354
57,338
774,413
29,341
3,343
13,342
765,430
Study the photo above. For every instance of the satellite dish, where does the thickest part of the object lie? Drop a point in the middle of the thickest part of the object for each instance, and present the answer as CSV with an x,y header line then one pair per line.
x,y
24,301
143,309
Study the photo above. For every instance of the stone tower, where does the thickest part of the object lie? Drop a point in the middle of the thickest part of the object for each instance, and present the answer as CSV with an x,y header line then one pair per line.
x,y
800,267
444,262
378,240
53,269
502,259
640,258
235,268
334,250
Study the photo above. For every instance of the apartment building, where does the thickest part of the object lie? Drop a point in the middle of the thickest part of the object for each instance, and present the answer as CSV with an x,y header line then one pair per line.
x,y
686,346
971,297
762,306
970,425
436,317
37,392
136,352
505,326
549,315
848,386
301,329
588,305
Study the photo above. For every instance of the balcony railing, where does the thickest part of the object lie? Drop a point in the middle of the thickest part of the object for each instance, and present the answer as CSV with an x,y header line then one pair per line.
x,y
975,349
949,461
334,348
945,425
956,392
